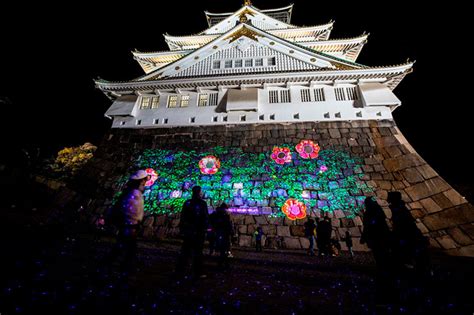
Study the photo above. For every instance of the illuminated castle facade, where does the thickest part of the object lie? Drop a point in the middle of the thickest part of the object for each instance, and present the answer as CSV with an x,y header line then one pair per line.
x,y
251,67
276,120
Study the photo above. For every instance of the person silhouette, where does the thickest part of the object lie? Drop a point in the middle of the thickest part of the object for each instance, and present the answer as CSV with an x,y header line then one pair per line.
x,y
192,226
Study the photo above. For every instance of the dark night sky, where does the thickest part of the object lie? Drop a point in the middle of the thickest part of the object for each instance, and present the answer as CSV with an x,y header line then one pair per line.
x,y
51,53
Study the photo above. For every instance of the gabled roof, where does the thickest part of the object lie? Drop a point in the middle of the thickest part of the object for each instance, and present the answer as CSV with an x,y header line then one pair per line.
x,y
281,14
259,19
295,34
305,55
347,49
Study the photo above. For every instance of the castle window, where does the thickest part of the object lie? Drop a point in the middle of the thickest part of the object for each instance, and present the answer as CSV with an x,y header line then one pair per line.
x,y
203,98
216,64
337,115
238,63
243,118
259,62
272,117
340,94
271,61
273,96
145,103
214,119
261,117
184,100
192,120
165,121
228,64
305,95
296,116
122,123
213,99
285,96
139,122
319,95
224,118
359,114
379,114
156,121
248,62
155,101
352,93
172,101
326,115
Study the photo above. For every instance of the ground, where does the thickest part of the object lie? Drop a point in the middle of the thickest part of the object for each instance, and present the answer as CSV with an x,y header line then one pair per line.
x,y
55,269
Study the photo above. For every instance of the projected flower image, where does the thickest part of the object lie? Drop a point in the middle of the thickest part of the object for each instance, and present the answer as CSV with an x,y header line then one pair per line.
x,y
209,165
294,209
308,149
281,155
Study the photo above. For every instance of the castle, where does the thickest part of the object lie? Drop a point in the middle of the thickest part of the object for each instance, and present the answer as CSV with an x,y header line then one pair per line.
x,y
280,122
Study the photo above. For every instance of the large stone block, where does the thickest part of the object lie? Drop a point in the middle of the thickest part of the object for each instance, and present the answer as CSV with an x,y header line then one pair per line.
x,y
297,230
269,229
412,176
446,242
291,242
427,188
283,230
242,229
245,240
449,218
455,198
460,237
261,220
430,206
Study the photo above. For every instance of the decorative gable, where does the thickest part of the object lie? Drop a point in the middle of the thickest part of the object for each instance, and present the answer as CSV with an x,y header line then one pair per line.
x,y
245,55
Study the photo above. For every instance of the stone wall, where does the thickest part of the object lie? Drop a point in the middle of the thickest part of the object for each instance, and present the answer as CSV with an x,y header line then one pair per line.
x,y
389,163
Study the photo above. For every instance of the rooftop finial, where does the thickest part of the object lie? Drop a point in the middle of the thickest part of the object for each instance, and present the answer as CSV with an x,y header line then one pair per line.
x,y
247,2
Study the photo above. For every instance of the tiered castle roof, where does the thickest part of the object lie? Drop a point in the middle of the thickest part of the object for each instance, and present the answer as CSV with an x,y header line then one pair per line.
x,y
301,54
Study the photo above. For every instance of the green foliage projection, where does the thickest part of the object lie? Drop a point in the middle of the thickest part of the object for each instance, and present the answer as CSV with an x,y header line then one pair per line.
x,y
264,183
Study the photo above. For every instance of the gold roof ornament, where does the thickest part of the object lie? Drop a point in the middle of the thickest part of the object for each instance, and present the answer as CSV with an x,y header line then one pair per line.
x,y
243,15
247,3
244,31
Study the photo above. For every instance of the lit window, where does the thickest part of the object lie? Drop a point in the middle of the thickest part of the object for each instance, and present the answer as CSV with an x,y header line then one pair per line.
x,y
216,64
203,98
319,95
249,62
273,96
172,101
155,101
352,93
305,95
228,64
259,62
213,99
271,61
340,94
285,96
145,103
184,100
238,63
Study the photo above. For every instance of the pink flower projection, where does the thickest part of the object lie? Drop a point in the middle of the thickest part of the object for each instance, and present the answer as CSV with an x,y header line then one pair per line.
x,y
294,209
281,155
153,177
323,168
209,165
308,149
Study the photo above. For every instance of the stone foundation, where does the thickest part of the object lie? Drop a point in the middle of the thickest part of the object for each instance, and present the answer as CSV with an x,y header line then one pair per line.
x,y
389,163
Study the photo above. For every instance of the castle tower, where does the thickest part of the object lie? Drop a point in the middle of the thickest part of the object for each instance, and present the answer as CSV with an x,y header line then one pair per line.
x,y
280,122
